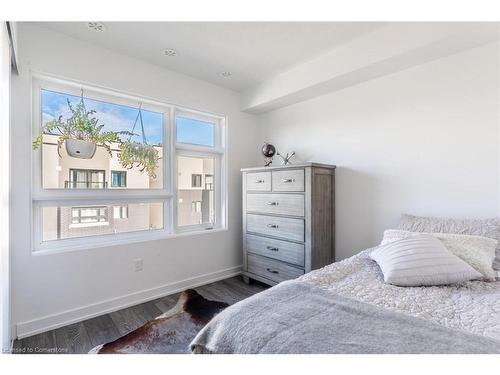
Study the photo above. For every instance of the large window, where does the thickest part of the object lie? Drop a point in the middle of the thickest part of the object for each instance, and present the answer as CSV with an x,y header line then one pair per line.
x,y
152,170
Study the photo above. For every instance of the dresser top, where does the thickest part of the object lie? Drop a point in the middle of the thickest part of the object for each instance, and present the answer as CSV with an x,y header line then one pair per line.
x,y
288,166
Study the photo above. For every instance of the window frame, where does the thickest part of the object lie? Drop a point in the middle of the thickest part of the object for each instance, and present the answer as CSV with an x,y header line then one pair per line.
x,y
98,216
195,204
111,179
194,180
93,197
209,183
87,171
218,152
121,209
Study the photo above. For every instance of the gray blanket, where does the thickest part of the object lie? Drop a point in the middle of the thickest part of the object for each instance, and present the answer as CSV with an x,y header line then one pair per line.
x,y
296,317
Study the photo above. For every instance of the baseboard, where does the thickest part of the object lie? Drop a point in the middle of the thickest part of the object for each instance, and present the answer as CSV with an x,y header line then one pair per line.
x,y
49,322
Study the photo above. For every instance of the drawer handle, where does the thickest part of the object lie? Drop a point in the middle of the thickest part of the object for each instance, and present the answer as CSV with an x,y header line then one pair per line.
x,y
272,203
274,226
272,271
288,180
271,248
259,181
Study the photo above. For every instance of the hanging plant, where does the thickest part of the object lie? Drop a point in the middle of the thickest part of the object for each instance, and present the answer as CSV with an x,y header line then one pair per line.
x,y
139,155
81,132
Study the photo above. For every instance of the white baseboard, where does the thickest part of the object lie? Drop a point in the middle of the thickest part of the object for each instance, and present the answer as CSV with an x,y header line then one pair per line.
x,y
49,322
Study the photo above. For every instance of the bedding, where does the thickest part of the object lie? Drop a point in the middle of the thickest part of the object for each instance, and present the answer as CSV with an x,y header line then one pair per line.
x,y
306,320
477,251
479,227
470,310
421,260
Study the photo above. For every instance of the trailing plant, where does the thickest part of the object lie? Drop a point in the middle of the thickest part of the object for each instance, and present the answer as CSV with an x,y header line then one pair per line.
x,y
140,155
80,125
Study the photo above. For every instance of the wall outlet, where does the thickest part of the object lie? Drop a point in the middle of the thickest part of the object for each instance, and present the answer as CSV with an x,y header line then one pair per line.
x,y
137,264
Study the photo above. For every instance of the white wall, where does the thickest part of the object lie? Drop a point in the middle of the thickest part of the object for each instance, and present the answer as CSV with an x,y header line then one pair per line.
x,y
4,189
421,141
53,289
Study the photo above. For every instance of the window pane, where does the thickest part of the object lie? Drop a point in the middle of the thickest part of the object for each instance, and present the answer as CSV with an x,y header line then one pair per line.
x,y
195,132
195,205
60,170
70,222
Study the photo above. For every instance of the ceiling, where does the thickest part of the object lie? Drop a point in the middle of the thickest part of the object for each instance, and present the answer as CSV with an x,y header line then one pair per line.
x,y
250,51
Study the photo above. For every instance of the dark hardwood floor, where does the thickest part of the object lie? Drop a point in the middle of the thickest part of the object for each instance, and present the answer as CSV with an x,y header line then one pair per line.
x,y
83,336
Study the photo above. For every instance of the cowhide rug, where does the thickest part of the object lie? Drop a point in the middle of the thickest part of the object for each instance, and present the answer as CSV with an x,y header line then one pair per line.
x,y
171,332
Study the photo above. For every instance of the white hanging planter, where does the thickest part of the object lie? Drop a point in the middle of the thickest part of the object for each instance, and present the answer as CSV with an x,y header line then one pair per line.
x,y
80,149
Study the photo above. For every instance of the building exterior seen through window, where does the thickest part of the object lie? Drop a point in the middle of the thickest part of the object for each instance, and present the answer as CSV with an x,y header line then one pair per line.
x,y
195,203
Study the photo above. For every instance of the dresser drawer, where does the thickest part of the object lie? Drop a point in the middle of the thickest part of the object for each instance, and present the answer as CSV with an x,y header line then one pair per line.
x,y
285,251
288,180
259,181
280,227
283,204
271,269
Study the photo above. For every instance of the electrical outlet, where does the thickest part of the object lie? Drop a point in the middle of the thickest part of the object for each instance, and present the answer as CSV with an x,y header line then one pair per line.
x,y
137,264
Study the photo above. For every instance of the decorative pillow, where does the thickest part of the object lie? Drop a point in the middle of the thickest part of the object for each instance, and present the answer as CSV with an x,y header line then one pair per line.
x,y
421,260
479,227
477,251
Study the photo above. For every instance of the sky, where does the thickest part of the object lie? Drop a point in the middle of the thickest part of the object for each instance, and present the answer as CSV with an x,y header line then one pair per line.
x,y
119,117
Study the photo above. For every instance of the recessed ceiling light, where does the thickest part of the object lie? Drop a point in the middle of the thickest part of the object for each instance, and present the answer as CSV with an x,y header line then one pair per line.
x,y
170,52
226,74
96,26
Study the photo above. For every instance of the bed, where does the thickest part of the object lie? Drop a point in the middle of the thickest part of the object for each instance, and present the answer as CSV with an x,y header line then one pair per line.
x,y
346,307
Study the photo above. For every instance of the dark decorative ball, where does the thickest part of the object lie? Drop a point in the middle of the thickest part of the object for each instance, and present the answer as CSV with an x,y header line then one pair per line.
x,y
268,150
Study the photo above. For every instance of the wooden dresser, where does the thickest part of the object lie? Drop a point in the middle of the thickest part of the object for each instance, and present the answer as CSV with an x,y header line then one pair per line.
x,y
288,220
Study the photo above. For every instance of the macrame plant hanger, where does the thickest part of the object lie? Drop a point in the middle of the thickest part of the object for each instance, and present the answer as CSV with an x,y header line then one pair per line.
x,y
82,102
139,117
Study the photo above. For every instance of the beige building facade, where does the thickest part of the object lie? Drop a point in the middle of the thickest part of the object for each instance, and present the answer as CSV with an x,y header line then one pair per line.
x,y
195,200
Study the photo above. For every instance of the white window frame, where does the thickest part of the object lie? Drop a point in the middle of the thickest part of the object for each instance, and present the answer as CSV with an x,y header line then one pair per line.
x,y
167,194
218,152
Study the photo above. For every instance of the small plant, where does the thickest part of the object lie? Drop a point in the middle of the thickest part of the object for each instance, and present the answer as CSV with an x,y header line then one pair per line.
x,y
81,125
140,155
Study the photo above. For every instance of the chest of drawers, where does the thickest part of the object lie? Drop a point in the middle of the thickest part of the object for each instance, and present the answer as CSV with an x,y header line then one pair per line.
x,y
288,220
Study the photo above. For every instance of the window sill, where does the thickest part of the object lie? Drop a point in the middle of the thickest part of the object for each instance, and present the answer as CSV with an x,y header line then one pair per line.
x,y
98,241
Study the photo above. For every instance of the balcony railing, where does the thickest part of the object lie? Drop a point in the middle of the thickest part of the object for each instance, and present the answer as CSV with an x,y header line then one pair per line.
x,y
85,185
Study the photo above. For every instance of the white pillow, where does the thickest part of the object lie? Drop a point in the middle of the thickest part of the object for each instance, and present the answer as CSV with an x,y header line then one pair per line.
x,y
477,227
421,260
477,251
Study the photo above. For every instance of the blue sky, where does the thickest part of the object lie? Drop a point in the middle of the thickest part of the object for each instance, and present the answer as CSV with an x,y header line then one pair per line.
x,y
195,131
118,118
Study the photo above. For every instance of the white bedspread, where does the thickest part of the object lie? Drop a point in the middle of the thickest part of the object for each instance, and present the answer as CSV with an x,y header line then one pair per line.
x,y
473,306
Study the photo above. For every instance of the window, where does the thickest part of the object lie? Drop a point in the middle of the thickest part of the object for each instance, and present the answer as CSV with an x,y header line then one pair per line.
x,y
196,206
89,215
85,179
120,212
196,180
209,182
118,179
106,197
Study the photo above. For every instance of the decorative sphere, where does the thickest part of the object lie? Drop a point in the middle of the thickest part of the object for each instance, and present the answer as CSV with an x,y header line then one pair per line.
x,y
268,150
